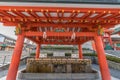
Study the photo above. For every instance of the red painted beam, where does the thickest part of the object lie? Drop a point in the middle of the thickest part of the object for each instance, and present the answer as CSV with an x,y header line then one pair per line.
x,y
80,20
81,25
10,24
65,43
61,43
33,14
58,25
100,15
19,14
6,14
61,34
86,15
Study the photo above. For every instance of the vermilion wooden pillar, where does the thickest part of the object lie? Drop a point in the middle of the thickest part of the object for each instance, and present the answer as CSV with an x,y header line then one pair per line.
x,y
110,40
37,51
103,42
80,52
102,59
93,46
12,72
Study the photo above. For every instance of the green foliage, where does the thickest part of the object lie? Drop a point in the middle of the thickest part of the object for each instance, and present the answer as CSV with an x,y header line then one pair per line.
x,y
108,47
110,58
113,58
67,54
49,54
90,54
63,48
3,45
85,48
32,54
118,44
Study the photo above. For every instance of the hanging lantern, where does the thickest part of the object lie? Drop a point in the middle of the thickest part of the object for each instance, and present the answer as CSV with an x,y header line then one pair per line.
x,y
44,35
73,36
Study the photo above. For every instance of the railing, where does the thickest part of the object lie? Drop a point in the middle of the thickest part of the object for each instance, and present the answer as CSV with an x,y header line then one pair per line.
x,y
116,30
5,57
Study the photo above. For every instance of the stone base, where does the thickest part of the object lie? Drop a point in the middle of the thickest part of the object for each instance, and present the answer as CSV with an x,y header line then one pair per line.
x,y
58,76
58,65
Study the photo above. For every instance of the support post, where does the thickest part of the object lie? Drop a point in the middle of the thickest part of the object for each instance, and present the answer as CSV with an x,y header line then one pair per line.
x,y
12,72
114,46
37,51
103,42
110,40
80,52
93,46
102,59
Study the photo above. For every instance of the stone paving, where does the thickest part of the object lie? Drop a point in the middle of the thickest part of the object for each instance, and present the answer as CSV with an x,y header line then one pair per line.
x,y
113,52
115,74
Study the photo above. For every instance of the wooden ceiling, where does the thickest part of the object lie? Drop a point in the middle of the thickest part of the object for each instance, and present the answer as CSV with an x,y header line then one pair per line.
x,y
59,25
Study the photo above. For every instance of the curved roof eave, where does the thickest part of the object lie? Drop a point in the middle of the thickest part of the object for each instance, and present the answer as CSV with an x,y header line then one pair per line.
x,y
81,5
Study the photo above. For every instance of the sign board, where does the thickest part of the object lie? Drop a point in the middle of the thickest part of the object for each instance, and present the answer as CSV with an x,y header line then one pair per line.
x,y
74,56
2,39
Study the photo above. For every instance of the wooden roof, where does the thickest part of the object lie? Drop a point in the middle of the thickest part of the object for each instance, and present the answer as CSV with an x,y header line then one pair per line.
x,y
59,25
